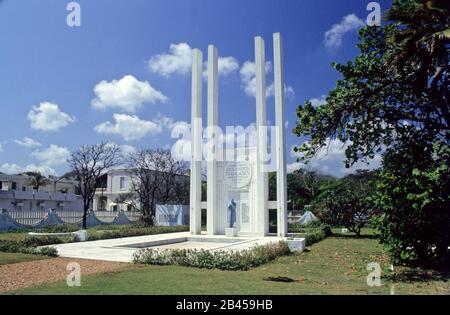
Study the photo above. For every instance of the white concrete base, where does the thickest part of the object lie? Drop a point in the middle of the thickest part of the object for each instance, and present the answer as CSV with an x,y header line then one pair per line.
x,y
297,245
82,235
231,232
122,249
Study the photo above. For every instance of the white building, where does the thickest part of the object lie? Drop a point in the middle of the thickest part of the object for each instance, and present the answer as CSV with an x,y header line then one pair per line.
x,y
113,188
17,195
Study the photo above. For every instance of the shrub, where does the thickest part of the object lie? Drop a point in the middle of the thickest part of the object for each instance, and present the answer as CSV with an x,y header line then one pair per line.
x,y
312,235
415,201
48,251
26,247
233,260
61,228
137,231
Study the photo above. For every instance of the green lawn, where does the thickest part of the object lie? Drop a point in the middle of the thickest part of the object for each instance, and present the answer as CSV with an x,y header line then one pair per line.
x,y
12,258
336,265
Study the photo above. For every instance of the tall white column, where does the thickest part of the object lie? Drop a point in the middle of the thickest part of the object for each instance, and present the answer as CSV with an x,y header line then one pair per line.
x,y
196,144
281,139
262,213
213,122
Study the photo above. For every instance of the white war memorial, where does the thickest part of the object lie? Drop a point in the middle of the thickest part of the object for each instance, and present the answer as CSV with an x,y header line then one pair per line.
x,y
237,176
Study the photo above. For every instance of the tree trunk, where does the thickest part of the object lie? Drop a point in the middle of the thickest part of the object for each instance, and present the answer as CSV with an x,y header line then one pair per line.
x,y
85,213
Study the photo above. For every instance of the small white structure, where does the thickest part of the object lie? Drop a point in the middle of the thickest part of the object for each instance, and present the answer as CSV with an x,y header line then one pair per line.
x,y
237,194
172,215
307,217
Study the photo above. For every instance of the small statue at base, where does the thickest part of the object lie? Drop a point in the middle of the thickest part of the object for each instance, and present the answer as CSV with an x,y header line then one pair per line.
x,y
232,213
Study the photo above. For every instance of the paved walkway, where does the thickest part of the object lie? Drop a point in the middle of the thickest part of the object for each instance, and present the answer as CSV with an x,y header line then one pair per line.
x,y
122,249
33,273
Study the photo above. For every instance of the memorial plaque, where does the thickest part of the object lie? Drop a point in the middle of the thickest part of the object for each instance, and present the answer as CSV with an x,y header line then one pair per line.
x,y
237,174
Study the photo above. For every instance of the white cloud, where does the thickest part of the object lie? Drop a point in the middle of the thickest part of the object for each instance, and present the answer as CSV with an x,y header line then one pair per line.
x,y
27,142
12,168
248,80
226,66
48,117
329,160
316,102
124,148
179,61
127,94
52,156
129,127
333,37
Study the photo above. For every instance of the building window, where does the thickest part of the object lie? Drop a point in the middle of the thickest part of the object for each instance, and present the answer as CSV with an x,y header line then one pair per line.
x,y
24,188
122,183
14,186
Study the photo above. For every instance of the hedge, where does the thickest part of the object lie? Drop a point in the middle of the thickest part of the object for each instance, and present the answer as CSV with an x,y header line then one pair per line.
x,y
224,260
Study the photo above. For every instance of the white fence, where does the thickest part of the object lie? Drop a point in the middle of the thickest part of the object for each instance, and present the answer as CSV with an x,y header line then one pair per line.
x,y
12,220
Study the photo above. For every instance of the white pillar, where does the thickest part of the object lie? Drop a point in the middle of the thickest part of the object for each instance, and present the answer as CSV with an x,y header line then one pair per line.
x,y
262,213
281,140
213,122
196,144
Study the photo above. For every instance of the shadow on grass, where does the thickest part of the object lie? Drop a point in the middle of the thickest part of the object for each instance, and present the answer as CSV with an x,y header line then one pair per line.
x,y
418,275
353,236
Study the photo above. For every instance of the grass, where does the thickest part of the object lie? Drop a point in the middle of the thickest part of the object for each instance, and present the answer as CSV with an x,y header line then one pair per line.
x,y
336,265
12,258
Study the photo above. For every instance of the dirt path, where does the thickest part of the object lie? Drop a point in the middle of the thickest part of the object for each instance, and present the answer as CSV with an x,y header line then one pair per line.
x,y
32,273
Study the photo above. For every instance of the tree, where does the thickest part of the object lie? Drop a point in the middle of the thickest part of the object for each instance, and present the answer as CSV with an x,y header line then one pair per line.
x,y
36,180
157,177
88,164
348,201
393,100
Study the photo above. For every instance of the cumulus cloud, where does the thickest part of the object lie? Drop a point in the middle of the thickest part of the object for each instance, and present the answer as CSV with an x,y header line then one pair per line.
x,y
349,23
27,142
329,160
129,127
179,61
248,80
12,168
316,102
225,65
124,148
48,117
127,94
52,156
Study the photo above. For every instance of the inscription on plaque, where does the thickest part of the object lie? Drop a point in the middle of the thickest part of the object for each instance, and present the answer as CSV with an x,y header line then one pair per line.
x,y
238,174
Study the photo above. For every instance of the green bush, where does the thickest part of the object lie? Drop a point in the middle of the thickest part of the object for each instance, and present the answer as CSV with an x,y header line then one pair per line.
x,y
130,231
27,246
233,260
312,235
61,228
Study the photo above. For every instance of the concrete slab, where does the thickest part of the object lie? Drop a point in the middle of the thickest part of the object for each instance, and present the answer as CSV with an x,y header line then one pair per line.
x,y
122,249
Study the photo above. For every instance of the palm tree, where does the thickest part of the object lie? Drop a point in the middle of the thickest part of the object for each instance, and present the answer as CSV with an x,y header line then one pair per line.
x,y
424,37
423,49
36,180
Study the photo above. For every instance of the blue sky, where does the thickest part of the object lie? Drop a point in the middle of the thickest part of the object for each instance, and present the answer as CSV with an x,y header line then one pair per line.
x,y
123,75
